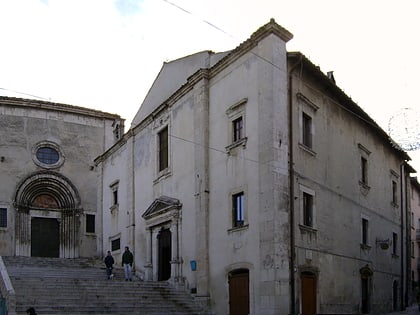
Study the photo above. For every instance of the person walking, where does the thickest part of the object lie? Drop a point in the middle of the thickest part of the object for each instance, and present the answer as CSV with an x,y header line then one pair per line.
x,y
31,311
127,262
109,263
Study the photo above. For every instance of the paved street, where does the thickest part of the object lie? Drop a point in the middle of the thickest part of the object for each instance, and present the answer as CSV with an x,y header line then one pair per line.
x,y
411,310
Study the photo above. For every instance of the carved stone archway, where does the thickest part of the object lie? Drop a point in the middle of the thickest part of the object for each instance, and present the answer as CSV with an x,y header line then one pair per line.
x,y
47,194
164,214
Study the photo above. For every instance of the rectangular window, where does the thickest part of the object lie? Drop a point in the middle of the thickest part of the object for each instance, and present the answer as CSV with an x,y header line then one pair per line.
x,y
308,203
3,217
163,149
114,194
364,174
238,211
90,223
115,244
394,192
365,231
394,243
307,130
238,128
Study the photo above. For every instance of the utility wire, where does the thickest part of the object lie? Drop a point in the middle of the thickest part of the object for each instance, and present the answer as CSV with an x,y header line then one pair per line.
x,y
373,124
27,94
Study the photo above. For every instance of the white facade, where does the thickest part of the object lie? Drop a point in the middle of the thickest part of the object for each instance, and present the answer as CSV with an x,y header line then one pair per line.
x,y
256,183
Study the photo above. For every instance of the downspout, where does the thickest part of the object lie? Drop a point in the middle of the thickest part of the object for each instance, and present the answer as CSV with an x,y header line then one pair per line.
x,y
291,190
133,192
402,235
408,241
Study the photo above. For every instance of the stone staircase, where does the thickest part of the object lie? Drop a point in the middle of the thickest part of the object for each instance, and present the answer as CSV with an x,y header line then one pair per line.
x,y
79,286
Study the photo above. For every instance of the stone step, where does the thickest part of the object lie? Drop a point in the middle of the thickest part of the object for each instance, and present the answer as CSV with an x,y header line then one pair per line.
x,y
79,286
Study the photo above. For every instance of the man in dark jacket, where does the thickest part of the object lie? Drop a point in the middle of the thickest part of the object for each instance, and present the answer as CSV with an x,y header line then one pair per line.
x,y
127,262
109,263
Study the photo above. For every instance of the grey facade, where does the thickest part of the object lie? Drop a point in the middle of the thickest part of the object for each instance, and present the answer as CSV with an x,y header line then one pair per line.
x,y
48,191
250,179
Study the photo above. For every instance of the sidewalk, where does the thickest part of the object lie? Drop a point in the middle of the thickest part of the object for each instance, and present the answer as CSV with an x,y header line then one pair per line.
x,y
410,310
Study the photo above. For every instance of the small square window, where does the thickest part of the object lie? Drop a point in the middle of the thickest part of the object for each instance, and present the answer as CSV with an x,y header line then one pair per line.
x,y
115,244
90,223
238,211
3,217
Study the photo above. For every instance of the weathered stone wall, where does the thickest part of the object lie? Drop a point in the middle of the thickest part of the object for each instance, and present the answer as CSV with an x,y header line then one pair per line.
x,y
79,139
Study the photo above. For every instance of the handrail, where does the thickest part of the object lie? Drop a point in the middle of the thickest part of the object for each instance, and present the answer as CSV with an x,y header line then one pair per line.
x,y
7,290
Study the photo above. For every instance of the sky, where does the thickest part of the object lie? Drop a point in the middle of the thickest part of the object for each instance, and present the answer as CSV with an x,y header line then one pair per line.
x,y
105,54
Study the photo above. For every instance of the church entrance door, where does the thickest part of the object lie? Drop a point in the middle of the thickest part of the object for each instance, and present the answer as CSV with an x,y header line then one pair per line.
x,y
164,255
45,237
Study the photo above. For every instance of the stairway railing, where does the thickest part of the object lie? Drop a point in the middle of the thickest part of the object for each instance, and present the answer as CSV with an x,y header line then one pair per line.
x,y
7,290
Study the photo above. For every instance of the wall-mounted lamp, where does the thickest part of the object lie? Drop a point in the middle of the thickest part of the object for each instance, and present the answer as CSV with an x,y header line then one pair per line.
x,y
383,243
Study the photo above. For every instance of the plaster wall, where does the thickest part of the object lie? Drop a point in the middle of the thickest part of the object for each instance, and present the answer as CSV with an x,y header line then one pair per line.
x,y
331,170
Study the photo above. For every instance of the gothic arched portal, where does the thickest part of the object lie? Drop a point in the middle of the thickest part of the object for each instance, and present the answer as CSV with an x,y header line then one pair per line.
x,y
47,216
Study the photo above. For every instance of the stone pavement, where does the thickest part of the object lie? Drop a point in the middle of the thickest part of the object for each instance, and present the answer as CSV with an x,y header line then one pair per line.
x,y
410,310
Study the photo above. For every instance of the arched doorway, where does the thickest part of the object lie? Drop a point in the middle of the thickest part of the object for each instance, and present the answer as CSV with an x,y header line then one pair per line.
x,y
239,292
308,290
47,216
164,254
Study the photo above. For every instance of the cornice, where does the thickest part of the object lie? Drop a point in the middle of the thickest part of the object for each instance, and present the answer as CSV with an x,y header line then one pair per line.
x,y
58,107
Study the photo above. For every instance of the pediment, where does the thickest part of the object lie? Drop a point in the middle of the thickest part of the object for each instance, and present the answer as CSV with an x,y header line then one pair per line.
x,y
161,205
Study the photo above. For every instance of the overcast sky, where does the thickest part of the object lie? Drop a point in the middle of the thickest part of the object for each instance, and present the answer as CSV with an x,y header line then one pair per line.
x,y
105,54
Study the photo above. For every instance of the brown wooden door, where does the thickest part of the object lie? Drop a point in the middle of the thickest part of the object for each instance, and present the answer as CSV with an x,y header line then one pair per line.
x,y
45,237
239,293
308,294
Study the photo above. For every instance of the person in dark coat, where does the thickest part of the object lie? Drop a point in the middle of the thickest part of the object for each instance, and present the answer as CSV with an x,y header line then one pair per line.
x,y
31,311
127,262
109,263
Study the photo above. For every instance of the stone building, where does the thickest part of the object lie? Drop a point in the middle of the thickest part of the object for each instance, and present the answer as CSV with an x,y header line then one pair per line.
x,y
251,179
48,191
415,233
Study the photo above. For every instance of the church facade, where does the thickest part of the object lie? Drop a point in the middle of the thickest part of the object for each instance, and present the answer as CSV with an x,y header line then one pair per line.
x,y
48,191
253,181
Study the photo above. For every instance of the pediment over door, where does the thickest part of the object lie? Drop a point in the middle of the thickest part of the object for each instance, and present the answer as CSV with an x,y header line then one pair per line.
x,y
162,209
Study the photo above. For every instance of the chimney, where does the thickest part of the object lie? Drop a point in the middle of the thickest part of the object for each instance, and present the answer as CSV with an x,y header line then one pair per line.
x,y
330,75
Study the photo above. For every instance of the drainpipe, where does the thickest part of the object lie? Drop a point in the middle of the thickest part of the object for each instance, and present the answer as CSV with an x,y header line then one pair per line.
x,y
291,190
402,235
408,241
133,193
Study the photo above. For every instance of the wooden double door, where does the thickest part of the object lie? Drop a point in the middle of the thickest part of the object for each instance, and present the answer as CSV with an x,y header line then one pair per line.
x,y
45,237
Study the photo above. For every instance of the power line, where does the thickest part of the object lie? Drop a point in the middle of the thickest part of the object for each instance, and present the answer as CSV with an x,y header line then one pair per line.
x,y
272,64
27,94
